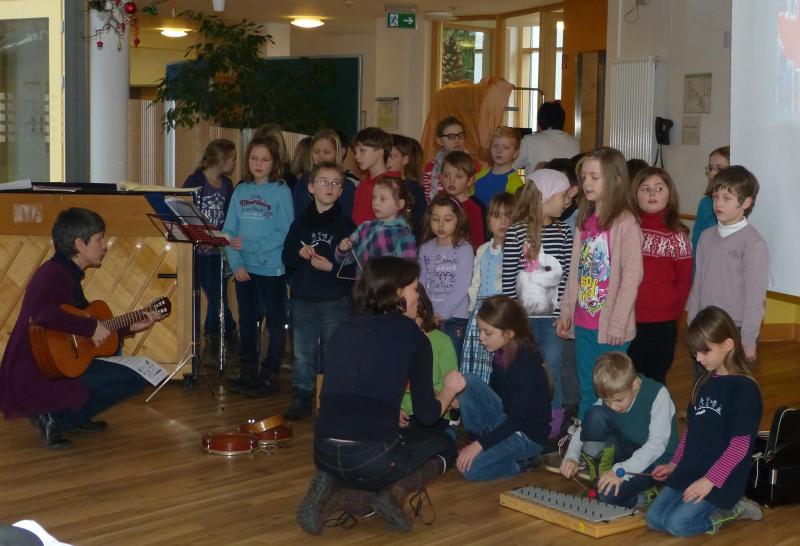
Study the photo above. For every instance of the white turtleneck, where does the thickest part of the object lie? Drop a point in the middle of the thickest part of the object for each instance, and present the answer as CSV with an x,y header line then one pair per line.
x,y
724,231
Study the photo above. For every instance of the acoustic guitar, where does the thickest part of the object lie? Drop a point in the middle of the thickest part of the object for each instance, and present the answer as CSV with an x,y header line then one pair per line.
x,y
61,354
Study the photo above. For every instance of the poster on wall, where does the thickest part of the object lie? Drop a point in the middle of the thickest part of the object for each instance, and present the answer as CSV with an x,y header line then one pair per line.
x,y
388,113
697,94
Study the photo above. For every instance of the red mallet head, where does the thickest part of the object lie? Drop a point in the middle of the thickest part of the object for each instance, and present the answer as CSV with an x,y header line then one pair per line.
x,y
592,493
130,8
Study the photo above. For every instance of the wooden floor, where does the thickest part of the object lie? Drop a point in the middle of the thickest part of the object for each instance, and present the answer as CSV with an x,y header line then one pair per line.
x,y
146,481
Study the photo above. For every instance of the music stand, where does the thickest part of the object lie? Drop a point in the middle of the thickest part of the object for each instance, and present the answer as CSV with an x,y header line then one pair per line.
x,y
181,221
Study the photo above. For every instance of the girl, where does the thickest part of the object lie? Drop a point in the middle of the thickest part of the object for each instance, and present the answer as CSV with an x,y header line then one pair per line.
x,y
705,218
324,146
274,130
387,235
450,136
605,269
445,261
510,416
536,264
301,158
705,481
444,361
667,261
258,221
501,177
486,281
212,176
406,158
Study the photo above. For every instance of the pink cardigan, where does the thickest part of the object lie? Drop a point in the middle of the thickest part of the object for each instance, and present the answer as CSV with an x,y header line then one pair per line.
x,y
617,319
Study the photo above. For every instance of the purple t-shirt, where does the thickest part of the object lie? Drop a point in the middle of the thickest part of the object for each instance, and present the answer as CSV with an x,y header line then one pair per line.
x,y
445,272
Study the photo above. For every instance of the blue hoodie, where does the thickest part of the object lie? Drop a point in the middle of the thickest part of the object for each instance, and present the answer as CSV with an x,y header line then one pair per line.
x,y
261,215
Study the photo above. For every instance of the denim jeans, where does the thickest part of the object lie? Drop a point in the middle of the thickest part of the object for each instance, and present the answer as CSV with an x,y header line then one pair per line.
x,y
551,348
373,465
269,292
456,328
208,276
482,411
601,428
107,383
313,322
587,350
670,514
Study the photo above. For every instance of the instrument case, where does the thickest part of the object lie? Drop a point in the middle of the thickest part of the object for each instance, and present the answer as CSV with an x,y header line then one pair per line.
x,y
775,474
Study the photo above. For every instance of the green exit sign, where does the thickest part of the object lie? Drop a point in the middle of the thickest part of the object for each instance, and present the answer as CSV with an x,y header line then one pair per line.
x,y
401,20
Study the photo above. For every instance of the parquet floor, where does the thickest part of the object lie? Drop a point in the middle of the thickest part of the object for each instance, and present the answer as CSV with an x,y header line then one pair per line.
x,y
146,481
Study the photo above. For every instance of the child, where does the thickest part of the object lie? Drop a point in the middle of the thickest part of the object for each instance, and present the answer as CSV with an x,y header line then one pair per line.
x,y
373,147
345,150
274,130
732,263
536,264
510,416
325,146
388,234
605,269
445,261
301,158
501,176
320,298
487,273
258,221
406,158
450,136
705,480
632,426
444,361
718,160
212,176
667,261
458,175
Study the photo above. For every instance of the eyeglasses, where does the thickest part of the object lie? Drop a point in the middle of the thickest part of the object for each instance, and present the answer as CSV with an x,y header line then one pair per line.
x,y
656,190
455,136
325,182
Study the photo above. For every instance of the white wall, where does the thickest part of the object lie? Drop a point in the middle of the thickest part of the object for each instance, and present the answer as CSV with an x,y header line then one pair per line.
x,y
690,36
310,43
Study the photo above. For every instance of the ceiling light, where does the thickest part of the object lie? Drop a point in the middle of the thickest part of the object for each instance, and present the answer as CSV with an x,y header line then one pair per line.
x,y
440,15
173,32
307,22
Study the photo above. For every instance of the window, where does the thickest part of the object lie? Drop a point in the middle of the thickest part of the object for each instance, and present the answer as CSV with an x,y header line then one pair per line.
x,y
466,54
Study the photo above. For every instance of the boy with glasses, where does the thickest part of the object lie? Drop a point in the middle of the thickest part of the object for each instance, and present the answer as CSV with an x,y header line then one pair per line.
x,y
451,137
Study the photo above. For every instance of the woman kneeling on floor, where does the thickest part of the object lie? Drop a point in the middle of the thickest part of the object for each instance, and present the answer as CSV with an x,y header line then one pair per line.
x,y
364,462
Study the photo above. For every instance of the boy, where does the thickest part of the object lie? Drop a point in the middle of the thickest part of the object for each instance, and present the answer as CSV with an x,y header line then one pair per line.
x,y
501,176
450,136
68,404
731,264
632,426
320,298
373,147
458,175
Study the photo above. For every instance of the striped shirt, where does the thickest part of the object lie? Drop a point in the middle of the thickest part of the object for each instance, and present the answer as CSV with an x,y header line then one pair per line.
x,y
556,241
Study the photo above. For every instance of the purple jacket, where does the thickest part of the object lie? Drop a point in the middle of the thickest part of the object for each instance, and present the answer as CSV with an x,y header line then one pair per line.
x,y
24,390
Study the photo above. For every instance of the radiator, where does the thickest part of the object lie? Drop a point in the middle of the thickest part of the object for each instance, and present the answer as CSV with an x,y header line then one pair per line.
x,y
633,97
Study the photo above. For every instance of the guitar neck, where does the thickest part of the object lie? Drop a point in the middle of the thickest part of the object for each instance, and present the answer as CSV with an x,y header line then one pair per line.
x,y
127,319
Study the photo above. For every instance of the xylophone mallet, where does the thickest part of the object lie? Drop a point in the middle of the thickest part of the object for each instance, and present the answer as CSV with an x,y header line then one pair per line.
x,y
621,473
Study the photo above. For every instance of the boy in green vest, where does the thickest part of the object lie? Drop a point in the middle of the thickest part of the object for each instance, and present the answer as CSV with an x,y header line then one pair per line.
x,y
631,427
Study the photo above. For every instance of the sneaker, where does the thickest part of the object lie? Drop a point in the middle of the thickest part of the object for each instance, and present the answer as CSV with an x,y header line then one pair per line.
x,y
320,491
744,509
599,465
646,497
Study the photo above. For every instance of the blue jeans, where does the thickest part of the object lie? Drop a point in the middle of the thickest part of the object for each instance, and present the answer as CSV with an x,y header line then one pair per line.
x,y
373,465
456,328
601,428
482,411
313,322
269,294
208,276
670,514
551,348
107,383
587,350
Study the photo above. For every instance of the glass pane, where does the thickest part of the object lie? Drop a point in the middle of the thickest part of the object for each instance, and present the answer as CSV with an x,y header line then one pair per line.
x,y
24,100
458,55
534,67
479,40
533,104
535,37
478,68
560,34
559,71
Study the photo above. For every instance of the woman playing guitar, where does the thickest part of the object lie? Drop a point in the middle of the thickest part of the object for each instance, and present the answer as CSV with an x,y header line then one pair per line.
x,y
59,406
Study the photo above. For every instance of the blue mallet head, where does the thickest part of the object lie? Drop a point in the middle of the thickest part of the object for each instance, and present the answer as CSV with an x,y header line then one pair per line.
x,y
620,473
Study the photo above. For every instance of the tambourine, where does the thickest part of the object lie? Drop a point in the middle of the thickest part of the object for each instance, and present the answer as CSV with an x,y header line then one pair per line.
x,y
229,444
271,432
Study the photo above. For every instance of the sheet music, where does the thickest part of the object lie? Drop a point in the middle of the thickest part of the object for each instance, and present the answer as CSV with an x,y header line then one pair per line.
x,y
148,369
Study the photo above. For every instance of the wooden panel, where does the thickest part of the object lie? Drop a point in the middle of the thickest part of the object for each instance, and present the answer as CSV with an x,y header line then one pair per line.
x,y
145,142
191,143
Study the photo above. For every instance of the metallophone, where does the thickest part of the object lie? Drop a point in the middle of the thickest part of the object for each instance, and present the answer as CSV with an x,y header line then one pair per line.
x,y
588,516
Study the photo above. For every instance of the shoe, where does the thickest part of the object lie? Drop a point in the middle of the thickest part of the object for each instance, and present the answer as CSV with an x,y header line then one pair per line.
x,y
389,502
242,384
599,465
744,509
51,435
646,497
455,417
526,465
320,491
261,389
91,426
301,406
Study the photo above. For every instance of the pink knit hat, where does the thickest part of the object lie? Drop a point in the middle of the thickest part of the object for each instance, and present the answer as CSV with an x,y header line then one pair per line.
x,y
549,182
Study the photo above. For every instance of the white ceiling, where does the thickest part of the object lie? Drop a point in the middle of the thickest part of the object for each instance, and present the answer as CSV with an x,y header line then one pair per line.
x,y
340,16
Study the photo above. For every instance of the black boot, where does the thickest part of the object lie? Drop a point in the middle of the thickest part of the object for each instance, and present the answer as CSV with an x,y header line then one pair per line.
x,y
51,434
389,502
311,513
301,405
